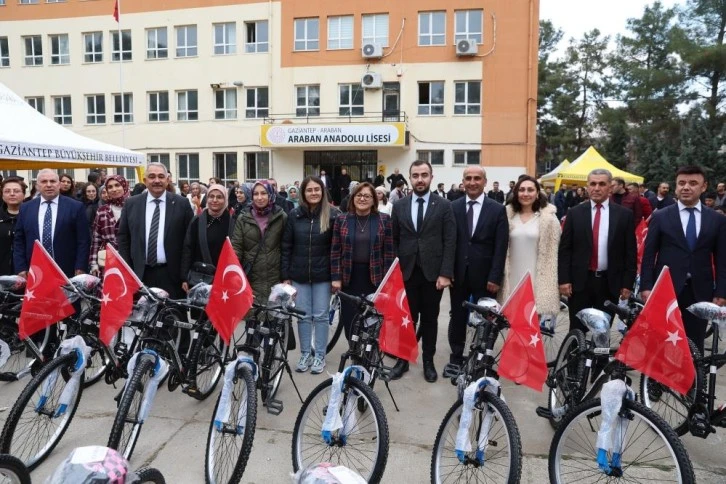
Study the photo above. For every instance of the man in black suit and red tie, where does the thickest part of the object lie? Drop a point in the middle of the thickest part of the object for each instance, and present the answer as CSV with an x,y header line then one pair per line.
x,y
690,239
597,254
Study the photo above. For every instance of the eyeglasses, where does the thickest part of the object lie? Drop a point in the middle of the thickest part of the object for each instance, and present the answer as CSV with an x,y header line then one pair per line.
x,y
363,196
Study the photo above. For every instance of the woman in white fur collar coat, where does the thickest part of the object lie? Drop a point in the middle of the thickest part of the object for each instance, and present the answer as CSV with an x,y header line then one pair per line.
x,y
534,237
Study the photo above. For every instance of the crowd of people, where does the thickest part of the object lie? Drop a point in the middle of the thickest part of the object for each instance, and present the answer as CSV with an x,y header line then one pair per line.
x,y
578,242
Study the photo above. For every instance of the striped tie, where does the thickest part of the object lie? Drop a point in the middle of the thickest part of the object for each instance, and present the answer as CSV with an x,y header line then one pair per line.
x,y
151,256
47,235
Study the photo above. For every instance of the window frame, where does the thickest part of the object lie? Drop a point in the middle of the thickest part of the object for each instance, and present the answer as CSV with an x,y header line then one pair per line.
x,y
431,34
125,103
227,112
307,44
95,118
4,53
128,172
257,47
57,59
63,115
188,112
307,107
258,111
466,154
253,158
121,53
354,110
34,104
93,53
428,155
227,47
36,41
223,176
431,105
157,51
477,37
159,158
186,47
187,163
466,104
344,43
158,112
373,39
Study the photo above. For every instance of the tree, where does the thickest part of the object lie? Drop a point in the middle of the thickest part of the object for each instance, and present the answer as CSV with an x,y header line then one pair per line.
x,y
614,141
549,74
699,146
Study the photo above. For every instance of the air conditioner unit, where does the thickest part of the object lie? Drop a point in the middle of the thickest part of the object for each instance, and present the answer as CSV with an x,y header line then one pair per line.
x,y
371,80
372,51
466,47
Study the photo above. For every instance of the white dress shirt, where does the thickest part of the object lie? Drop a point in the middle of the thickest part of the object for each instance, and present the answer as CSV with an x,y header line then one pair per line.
x,y
685,215
602,240
477,209
41,216
414,207
150,206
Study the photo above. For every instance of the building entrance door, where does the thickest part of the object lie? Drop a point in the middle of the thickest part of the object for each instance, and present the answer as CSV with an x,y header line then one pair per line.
x,y
361,165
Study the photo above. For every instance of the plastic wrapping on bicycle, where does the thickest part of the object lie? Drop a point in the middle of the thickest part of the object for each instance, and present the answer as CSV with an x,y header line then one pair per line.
x,y
487,312
354,300
287,310
627,314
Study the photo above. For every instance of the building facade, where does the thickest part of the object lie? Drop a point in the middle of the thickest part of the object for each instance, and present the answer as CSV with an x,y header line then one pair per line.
x,y
250,89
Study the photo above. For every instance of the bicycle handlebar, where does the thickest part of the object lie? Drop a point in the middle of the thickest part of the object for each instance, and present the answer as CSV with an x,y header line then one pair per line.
x,y
625,313
484,311
354,300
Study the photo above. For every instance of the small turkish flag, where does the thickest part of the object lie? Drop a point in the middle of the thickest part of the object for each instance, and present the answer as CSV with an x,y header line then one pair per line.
x,y
117,294
398,336
44,302
641,231
656,344
231,296
115,11
523,357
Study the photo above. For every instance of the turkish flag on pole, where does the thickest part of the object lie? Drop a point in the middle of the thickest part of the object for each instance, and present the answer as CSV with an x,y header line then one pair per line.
x,y
656,344
44,302
119,285
641,231
115,11
523,357
231,295
398,336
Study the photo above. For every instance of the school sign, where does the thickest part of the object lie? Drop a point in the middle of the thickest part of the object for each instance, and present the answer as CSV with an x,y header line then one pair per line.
x,y
337,135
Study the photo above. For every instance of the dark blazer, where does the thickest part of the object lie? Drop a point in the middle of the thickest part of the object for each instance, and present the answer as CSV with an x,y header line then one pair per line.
x,y
661,204
341,248
434,246
665,245
485,252
132,233
71,238
576,248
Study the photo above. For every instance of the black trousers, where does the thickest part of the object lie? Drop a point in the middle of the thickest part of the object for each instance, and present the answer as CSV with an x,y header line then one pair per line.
x,y
695,327
158,276
593,295
359,285
424,301
461,291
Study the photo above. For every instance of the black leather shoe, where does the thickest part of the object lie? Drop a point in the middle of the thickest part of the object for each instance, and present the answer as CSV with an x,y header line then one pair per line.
x,y
399,369
430,371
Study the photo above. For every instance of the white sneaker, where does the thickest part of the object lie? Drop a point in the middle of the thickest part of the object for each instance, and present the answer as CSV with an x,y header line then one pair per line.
x,y
304,363
318,365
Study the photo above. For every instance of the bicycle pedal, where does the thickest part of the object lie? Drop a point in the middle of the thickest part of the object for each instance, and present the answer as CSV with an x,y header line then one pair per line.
x,y
8,376
451,370
274,407
544,413
193,392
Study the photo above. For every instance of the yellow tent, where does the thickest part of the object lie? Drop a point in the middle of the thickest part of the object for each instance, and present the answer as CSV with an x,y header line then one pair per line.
x,y
577,171
551,177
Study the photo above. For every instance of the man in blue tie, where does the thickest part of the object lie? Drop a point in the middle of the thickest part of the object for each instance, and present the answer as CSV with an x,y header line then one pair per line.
x,y
686,237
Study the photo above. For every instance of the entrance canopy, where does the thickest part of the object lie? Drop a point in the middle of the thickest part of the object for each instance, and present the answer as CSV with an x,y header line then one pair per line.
x,y
31,141
549,178
579,169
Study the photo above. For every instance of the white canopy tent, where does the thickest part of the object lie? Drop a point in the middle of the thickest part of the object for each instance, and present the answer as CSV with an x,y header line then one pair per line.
x,y
31,141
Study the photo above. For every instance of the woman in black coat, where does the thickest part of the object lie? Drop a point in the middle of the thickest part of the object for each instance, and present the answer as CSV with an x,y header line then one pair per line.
x,y
89,197
13,191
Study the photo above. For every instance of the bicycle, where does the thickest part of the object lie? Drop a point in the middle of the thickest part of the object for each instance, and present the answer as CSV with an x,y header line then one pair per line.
x,y
342,420
261,360
495,436
336,328
100,464
13,471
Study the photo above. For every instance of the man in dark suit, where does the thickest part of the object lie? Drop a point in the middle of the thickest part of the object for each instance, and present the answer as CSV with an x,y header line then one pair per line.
x,y
597,253
686,237
59,223
662,199
495,193
482,239
152,230
281,201
394,178
424,238
342,185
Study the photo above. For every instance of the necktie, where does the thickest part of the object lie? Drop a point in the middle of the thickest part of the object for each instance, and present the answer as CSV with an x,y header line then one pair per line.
x,y
419,215
47,235
151,255
470,217
691,235
595,238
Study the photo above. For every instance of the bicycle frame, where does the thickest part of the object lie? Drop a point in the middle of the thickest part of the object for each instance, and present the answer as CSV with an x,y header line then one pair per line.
x,y
713,362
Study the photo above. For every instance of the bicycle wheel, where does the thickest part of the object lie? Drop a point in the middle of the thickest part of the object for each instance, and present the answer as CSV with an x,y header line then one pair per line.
x,y
20,358
228,448
554,333
13,471
502,459
127,425
363,448
651,450
149,475
32,429
336,328
273,364
209,363
567,374
668,403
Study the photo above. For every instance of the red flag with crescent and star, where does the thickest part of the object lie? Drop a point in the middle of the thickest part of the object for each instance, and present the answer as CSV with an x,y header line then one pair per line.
x,y
523,357
641,232
44,302
656,344
117,294
398,336
231,296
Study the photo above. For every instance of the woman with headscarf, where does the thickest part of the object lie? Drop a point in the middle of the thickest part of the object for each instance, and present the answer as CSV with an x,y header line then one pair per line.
x,y
215,221
293,195
243,200
90,200
105,226
257,240
67,186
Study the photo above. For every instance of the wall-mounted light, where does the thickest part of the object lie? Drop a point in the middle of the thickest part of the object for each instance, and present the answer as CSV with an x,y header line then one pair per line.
x,y
215,85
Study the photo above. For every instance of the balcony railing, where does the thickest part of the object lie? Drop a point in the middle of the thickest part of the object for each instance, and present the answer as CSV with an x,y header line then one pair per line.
x,y
334,118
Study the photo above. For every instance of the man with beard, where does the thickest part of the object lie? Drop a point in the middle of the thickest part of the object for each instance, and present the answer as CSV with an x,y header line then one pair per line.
x,y
663,199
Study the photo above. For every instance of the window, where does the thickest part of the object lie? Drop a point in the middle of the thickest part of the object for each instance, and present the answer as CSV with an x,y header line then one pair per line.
x,y
225,38
93,45
432,28
156,44
33,50
8,173
225,104
186,41
123,108
162,158
351,100
186,106
435,157
38,103
62,110
308,101
472,157
4,52
225,167
306,34
159,106
340,32
59,51
257,102
121,51
431,98
468,25
375,29
258,165
2,3
96,109
28,2
55,1
187,167
467,97
257,36
128,172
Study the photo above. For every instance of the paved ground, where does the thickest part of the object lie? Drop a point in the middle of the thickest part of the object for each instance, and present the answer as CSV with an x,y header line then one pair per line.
x,y
174,438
